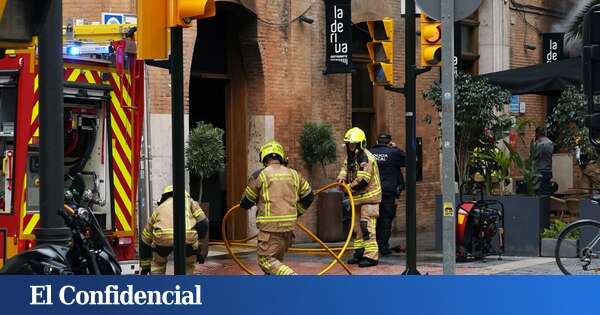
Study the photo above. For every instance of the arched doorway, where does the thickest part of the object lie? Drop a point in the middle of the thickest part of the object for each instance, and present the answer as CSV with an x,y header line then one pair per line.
x,y
218,95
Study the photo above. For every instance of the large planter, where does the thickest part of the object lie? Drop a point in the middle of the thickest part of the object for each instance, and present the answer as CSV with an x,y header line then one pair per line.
x,y
330,216
568,248
590,211
203,249
525,217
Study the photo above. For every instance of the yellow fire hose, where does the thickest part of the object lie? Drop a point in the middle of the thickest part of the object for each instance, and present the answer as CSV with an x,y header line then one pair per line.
x,y
336,257
291,249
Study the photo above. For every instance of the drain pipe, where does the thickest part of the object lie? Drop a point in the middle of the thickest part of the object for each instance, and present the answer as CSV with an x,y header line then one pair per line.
x,y
146,160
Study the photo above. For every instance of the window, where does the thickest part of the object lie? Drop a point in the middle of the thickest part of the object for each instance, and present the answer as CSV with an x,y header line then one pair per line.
x,y
467,39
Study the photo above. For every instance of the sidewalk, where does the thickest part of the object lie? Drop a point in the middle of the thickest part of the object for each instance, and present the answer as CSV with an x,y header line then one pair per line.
x,y
429,262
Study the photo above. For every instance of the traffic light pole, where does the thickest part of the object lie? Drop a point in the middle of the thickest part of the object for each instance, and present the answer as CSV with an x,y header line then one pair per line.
x,y
448,160
177,123
410,95
52,229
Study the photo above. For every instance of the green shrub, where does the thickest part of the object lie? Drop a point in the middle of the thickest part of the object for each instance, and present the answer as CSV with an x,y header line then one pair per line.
x,y
556,227
205,152
318,145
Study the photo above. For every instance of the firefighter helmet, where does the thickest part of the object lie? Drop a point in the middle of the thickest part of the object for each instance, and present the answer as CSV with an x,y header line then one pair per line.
x,y
272,148
356,135
169,190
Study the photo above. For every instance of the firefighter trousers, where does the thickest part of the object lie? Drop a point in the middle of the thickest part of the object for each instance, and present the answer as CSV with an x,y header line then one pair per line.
x,y
270,249
365,241
160,258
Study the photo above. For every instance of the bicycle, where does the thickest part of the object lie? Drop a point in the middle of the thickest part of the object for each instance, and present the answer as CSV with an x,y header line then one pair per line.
x,y
577,250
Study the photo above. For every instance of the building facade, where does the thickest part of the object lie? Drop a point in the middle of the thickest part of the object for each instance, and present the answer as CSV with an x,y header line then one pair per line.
x,y
256,70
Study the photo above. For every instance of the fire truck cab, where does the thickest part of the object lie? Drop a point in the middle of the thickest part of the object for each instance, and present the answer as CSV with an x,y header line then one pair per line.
x,y
103,118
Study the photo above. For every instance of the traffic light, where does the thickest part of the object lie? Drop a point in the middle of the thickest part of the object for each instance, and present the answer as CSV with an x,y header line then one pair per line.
x,y
431,42
183,12
155,17
381,51
152,35
591,67
20,21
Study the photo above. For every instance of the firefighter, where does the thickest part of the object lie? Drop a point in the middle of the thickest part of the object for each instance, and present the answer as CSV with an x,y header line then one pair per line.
x,y
360,171
157,237
281,195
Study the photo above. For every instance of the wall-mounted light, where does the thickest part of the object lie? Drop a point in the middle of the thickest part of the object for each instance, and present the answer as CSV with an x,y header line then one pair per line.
x,y
530,46
306,19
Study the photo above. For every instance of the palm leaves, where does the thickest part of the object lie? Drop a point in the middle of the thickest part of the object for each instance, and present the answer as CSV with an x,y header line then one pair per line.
x,y
576,25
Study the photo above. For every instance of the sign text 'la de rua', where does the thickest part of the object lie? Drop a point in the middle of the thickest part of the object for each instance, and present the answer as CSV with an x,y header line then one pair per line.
x,y
338,39
553,47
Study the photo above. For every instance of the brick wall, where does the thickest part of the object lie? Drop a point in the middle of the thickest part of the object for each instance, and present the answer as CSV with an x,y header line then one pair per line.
x,y
283,64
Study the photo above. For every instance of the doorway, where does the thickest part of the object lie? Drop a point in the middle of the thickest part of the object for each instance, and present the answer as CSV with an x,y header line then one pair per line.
x,y
218,96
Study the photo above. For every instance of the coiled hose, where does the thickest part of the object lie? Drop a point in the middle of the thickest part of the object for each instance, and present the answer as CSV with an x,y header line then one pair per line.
x,y
336,257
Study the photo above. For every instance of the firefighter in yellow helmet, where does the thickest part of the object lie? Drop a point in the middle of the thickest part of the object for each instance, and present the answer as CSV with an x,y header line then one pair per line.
x,y
362,175
281,196
157,237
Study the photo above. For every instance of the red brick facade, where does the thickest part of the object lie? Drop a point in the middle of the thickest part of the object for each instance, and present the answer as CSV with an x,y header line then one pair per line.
x,y
283,64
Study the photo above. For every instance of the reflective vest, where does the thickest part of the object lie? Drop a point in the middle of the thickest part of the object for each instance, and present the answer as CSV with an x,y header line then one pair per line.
x,y
159,229
362,175
276,190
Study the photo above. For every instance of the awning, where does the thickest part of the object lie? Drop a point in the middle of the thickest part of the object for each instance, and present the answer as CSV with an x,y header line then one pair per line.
x,y
547,78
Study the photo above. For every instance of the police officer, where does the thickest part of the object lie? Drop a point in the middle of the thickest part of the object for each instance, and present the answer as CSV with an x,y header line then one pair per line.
x,y
157,237
361,173
389,159
281,196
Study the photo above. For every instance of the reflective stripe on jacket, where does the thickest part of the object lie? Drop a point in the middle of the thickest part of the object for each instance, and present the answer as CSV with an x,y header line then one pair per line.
x,y
276,191
363,177
159,229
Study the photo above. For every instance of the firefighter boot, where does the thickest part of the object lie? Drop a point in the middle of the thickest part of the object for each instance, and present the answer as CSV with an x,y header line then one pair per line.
x,y
367,262
357,257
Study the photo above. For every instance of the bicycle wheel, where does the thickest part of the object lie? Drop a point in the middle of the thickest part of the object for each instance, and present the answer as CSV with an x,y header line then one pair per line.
x,y
577,249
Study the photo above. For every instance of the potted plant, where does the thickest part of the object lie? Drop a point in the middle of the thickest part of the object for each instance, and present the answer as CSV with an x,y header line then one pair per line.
x,y
318,150
205,155
476,106
493,164
550,235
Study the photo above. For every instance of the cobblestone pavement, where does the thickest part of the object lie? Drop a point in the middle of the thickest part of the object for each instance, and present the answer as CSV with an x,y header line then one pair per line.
x,y
219,263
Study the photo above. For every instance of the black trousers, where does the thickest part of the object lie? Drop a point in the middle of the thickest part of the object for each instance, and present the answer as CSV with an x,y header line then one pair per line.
x,y
387,213
545,183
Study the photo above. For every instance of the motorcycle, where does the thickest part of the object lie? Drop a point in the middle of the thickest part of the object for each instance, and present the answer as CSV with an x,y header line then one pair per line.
x,y
88,252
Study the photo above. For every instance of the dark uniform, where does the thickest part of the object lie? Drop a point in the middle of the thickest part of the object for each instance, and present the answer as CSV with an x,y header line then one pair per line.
x,y
389,160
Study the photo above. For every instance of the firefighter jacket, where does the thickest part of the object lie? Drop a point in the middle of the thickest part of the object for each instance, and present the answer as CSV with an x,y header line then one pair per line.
x,y
280,194
159,229
362,174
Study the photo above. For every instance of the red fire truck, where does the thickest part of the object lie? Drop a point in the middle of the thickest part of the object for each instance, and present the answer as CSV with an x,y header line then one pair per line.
x,y
103,112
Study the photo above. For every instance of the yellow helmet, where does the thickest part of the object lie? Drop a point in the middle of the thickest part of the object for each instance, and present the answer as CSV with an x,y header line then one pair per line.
x,y
169,189
356,135
271,147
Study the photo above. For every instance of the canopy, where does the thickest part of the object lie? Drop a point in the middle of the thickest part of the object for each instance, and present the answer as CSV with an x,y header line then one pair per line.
x,y
547,78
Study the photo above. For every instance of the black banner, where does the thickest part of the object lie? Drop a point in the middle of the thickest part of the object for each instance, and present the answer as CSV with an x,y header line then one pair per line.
x,y
338,36
553,47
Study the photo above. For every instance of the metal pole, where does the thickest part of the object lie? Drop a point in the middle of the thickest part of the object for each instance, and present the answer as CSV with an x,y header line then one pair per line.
x,y
411,139
178,147
448,188
146,181
52,229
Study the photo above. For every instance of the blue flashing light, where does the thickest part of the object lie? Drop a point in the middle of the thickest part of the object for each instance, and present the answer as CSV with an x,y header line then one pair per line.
x,y
73,51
